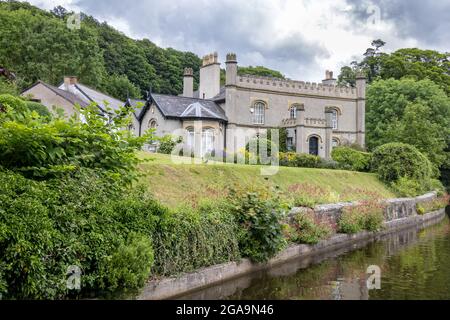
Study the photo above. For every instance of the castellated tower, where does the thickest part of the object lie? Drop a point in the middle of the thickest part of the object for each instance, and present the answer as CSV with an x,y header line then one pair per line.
x,y
188,83
209,77
361,108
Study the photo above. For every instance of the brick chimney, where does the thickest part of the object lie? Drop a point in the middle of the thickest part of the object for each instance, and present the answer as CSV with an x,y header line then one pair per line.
x,y
69,82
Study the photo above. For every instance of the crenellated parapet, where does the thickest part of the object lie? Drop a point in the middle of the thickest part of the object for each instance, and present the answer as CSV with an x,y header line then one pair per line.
x,y
295,87
209,59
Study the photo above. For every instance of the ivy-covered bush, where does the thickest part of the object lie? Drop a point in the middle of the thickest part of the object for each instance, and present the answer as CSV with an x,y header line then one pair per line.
x,y
260,231
351,159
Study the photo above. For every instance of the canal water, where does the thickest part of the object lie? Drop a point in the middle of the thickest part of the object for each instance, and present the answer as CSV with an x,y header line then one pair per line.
x,y
414,264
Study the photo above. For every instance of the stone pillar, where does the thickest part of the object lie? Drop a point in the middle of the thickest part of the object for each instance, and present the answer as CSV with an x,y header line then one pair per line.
x,y
328,132
230,140
188,83
300,138
361,109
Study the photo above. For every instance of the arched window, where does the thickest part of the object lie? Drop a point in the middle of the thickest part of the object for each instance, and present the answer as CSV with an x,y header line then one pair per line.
x,y
335,142
294,112
207,141
190,138
259,110
334,119
152,124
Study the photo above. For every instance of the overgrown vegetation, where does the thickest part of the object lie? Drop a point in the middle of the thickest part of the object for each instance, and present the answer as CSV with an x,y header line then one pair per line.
x,y
351,159
304,228
367,215
433,205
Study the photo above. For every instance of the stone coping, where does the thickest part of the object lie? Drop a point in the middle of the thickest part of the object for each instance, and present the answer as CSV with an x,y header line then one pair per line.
x,y
167,288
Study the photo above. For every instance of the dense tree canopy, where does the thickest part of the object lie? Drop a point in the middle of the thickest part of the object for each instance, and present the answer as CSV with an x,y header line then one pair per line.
x,y
409,111
410,63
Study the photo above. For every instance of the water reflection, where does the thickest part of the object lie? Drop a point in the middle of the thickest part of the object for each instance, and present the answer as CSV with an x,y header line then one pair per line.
x,y
414,265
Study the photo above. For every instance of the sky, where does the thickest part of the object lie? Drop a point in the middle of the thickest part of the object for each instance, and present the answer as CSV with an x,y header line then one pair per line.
x,y
300,38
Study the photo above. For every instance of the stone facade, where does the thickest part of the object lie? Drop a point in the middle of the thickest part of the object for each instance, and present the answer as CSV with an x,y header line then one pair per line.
x,y
317,116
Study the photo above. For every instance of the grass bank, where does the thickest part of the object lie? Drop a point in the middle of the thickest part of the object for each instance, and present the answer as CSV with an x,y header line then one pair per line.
x,y
174,184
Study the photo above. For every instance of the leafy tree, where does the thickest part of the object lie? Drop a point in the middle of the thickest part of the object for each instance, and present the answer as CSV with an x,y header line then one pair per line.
x,y
121,88
414,112
260,71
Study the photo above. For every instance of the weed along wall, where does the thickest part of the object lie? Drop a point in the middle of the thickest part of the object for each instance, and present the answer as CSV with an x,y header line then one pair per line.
x,y
398,214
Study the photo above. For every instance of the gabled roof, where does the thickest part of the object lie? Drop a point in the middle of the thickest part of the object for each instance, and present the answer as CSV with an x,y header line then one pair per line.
x,y
99,98
138,106
183,107
68,96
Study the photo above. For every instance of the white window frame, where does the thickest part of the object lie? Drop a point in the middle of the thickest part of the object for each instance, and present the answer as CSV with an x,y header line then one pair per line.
x,y
293,112
259,112
335,119
208,140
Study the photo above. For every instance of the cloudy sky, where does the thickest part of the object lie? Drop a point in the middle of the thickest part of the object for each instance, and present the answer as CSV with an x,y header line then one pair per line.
x,y
300,38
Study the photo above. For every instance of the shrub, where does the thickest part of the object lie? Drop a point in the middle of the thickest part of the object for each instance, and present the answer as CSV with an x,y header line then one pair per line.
x,y
82,220
258,216
168,143
309,195
42,149
39,108
305,229
393,161
187,239
367,215
301,160
352,159
433,205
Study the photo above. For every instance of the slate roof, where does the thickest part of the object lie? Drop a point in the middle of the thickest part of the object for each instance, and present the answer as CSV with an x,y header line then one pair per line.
x,y
89,95
219,97
191,108
70,97
138,107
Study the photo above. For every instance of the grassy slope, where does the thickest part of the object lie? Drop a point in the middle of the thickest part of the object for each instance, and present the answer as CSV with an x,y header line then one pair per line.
x,y
174,184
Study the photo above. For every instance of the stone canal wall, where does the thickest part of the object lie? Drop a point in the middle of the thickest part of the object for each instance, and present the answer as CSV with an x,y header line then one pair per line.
x,y
399,214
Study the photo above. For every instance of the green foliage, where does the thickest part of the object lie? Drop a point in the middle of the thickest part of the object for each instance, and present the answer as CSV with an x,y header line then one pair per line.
x,y
304,229
303,160
80,220
393,161
8,87
308,195
259,216
408,111
367,215
260,71
99,55
351,159
187,239
168,143
434,205
412,63
121,88
39,108
40,148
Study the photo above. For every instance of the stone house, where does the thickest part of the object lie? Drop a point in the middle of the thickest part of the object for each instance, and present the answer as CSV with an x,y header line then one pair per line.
x,y
69,94
317,116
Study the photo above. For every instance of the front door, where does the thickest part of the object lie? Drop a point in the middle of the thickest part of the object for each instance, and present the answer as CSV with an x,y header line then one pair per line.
x,y
314,146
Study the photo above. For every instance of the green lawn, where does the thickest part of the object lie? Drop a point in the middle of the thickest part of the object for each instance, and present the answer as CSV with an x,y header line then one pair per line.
x,y
174,184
